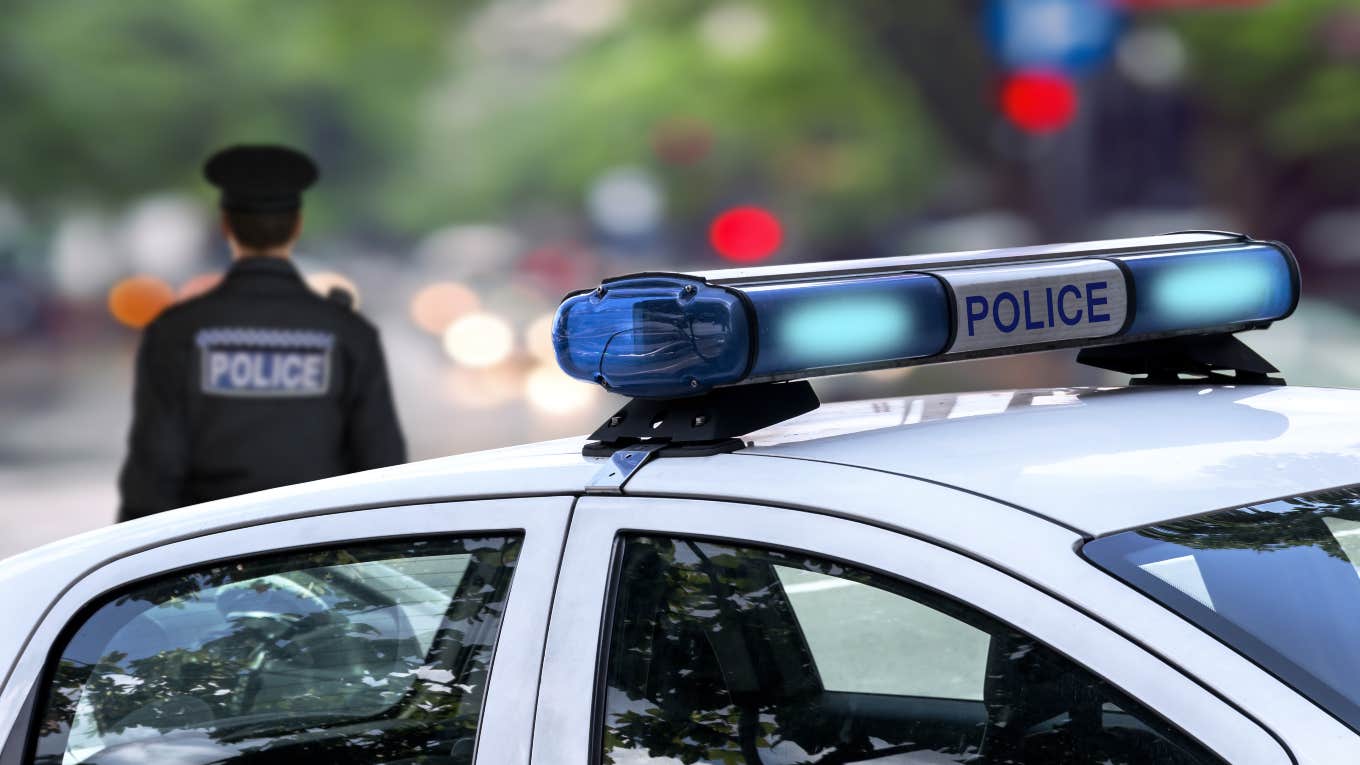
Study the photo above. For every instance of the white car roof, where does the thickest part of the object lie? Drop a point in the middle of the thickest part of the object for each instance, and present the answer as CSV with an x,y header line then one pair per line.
x,y
1094,460
1097,460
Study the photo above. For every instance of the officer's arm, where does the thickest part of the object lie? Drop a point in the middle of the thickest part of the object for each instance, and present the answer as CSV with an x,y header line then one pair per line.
x,y
158,447
373,435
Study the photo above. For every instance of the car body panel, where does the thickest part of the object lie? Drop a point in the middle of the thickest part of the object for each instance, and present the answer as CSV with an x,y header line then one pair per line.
x,y
564,729
31,581
1024,545
1015,480
1107,460
505,717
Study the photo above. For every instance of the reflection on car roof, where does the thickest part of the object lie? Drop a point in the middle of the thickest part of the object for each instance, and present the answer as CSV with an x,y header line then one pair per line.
x,y
1097,459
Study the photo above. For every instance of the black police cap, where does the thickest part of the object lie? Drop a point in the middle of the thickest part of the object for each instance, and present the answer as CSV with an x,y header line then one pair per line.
x,y
260,179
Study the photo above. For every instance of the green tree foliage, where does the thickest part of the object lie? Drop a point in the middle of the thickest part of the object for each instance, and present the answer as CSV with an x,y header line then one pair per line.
x,y
1281,133
107,101
807,119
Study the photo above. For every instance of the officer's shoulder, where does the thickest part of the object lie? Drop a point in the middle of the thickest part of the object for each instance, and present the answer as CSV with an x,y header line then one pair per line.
x,y
179,313
339,305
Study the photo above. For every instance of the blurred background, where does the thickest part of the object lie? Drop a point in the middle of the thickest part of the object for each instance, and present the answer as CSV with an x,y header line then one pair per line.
x,y
481,159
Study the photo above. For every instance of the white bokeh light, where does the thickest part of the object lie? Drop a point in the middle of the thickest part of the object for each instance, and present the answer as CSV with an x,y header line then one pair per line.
x,y
438,305
479,340
84,262
468,252
538,339
1153,57
625,201
166,236
734,30
551,392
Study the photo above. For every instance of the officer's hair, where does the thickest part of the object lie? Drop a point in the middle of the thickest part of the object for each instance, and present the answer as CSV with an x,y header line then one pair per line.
x,y
261,231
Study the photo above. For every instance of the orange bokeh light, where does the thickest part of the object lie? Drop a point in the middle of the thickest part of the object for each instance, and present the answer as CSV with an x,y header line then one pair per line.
x,y
438,305
198,285
322,282
137,300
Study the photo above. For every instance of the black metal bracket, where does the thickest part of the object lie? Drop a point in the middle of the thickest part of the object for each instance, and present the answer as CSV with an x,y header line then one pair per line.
x,y
1204,358
711,423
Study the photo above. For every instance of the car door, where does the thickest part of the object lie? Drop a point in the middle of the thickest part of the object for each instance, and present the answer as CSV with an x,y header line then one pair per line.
x,y
708,631
388,635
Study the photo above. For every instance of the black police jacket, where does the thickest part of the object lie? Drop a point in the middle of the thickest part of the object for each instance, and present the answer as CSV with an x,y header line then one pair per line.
x,y
255,384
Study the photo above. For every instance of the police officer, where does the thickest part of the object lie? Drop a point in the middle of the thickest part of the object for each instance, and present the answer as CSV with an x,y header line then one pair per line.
x,y
260,382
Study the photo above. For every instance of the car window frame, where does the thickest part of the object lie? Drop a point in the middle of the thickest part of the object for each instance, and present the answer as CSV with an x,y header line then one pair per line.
x,y
566,730
540,521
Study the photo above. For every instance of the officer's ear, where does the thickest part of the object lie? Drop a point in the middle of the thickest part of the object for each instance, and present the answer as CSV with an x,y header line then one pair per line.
x,y
297,228
226,229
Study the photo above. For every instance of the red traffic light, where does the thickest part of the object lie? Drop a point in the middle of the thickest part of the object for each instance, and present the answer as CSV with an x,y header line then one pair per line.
x,y
1039,102
745,234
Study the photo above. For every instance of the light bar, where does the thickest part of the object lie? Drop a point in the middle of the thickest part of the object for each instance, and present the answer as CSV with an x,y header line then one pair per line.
x,y
674,335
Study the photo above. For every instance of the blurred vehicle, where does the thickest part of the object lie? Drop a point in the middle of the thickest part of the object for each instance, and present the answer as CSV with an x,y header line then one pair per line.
x,y
739,575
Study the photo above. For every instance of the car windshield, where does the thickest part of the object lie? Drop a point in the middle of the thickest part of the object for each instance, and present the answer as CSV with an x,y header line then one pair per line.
x,y
1279,581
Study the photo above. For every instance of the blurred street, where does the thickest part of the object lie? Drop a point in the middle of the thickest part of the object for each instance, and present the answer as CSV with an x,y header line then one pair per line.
x,y
480,160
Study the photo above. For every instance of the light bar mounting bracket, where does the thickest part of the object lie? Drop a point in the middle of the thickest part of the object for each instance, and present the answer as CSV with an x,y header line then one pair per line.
x,y
1201,358
697,426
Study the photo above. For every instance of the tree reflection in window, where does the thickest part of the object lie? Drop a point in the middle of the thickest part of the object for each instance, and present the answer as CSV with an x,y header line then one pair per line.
x,y
1278,581
708,662
362,654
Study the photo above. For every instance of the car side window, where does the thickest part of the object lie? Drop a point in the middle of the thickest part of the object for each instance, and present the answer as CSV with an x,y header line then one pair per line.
x,y
377,651
728,654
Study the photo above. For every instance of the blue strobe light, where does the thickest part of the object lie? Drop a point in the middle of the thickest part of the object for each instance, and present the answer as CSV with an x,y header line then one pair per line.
x,y
675,335
655,336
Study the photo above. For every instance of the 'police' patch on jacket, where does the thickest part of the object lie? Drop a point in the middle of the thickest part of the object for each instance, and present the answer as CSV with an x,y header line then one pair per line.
x,y
252,361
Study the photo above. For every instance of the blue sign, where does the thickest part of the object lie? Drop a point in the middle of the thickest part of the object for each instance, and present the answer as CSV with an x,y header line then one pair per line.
x,y
1062,35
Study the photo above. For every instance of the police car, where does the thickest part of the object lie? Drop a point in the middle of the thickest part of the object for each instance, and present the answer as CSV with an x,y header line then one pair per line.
x,y
726,572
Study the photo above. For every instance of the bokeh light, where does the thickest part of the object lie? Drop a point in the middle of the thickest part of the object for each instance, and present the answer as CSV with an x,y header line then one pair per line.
x,y
468,252
479,340
682,140
625,201
746,234
137,300
438,305
83,263
1153,57
538,339
482,388
322,282
1039,102
165,235
550,391
558,267
734,30
197,285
